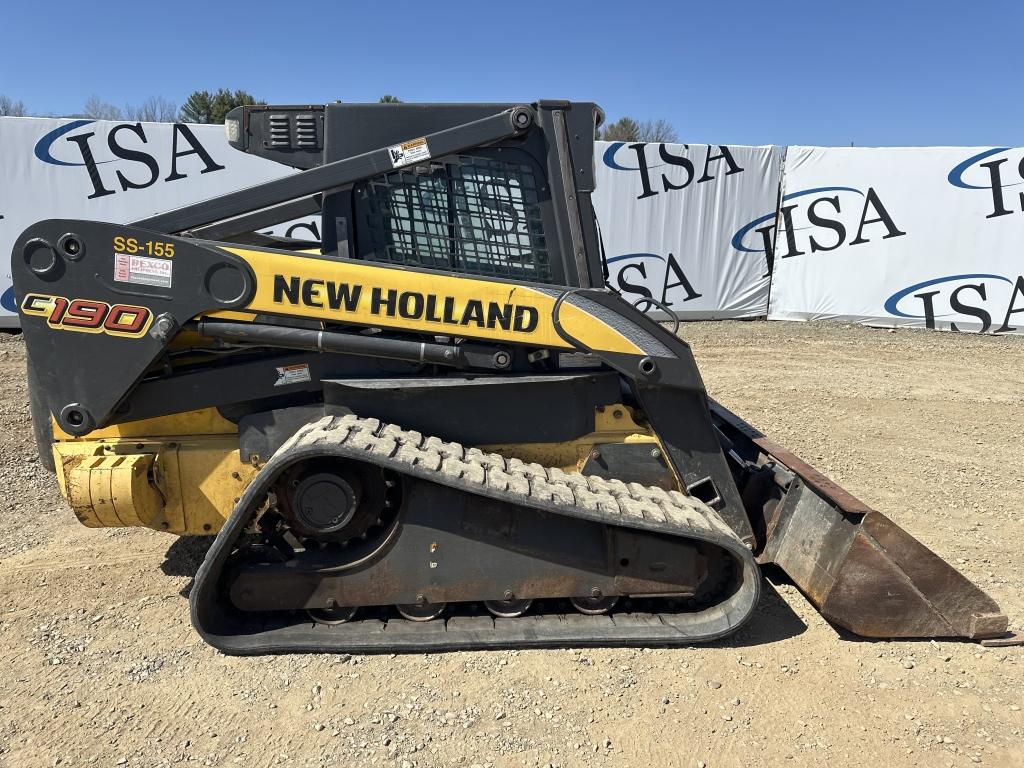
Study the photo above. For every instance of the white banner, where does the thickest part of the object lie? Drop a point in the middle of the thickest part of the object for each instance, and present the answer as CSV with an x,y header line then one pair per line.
x,y
678,223
112,171
929,237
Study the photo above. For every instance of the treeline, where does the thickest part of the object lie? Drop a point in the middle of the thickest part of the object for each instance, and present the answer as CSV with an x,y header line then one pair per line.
x,y
199,107
212,106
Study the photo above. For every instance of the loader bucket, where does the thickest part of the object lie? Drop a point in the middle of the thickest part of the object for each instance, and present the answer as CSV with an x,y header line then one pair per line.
x,y
859,569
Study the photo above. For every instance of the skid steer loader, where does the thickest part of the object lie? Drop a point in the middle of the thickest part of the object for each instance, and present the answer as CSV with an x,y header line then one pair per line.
x,y
437,428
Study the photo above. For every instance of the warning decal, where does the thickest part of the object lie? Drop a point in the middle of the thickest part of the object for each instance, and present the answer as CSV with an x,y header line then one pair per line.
x,y
143,270
409,152
292,374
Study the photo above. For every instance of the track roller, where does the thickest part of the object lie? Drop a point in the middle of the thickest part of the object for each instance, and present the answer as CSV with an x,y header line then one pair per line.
x,y
593,606
332,616
508,609
421,611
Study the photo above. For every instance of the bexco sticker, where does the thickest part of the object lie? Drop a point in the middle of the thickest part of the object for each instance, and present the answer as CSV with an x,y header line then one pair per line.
x,y
142,270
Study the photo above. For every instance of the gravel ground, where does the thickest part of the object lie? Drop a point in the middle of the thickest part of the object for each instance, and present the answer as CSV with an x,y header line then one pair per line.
x,y
99,665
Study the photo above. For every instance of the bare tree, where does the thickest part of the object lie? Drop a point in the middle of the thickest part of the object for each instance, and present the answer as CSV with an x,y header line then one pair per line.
x,y
659,130
155,109
11,108
97,108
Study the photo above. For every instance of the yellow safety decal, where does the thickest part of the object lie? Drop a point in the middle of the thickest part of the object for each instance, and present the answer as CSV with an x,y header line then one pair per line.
x,y
343,290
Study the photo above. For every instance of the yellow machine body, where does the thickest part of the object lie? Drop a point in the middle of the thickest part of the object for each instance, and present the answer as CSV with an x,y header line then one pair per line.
x,y
183,474
180,474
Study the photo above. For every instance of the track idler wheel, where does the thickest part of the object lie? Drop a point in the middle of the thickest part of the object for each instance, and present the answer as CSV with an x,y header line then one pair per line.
x,y
593,606
421,611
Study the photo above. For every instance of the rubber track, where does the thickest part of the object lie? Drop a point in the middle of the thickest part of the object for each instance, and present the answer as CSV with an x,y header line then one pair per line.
x,y
407,452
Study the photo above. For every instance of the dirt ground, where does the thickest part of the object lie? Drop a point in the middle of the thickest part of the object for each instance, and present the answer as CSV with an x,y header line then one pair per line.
x,y
99,665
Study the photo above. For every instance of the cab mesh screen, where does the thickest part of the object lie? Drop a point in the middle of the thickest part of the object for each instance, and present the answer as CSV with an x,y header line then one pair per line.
x,y
463,214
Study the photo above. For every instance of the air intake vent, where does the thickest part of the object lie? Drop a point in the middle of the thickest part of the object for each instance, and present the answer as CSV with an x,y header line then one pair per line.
x,y
305,131
280,131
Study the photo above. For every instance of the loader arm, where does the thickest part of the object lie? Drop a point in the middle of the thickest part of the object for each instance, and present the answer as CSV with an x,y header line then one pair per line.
x,y
446,375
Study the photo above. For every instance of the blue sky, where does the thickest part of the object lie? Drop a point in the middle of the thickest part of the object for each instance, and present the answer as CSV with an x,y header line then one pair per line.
x,y
831,73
